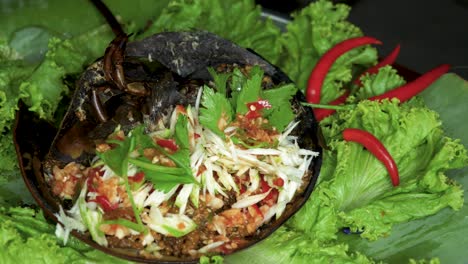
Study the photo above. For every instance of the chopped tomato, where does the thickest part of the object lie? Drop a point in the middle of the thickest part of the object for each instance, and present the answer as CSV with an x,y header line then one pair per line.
x,y
256,210
168,143
264,185
271,198
278,182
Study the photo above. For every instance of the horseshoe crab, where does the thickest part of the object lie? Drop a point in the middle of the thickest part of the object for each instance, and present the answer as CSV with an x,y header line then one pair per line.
x,y
150,82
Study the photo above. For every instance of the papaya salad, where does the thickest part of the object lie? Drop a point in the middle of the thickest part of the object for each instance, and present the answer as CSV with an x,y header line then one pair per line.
x,y
203,179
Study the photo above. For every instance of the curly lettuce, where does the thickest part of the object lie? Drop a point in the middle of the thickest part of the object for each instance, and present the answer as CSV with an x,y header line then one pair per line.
x,y
384,80
26,236
291,246
357,192
314,30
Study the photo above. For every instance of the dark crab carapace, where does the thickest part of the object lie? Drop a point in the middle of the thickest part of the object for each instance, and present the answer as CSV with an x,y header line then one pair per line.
x,y
143,84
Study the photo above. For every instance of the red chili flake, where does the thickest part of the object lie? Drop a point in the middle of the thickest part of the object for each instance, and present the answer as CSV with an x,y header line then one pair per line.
x,y
256,107
181,109
168,143
138,177
105,204
181,226
93,173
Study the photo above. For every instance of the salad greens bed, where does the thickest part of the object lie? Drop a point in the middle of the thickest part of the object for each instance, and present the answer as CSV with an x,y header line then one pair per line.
x,y
40,59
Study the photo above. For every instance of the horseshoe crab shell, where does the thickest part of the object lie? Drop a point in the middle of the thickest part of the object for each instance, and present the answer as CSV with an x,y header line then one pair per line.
x,y
178,60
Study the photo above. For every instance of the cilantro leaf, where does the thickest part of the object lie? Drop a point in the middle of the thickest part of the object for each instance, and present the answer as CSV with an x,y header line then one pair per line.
x,y
279,95
142,140
250,91
280,114
117,158
164,181
215,107
181,158
164,178
237,82
220,80
145,164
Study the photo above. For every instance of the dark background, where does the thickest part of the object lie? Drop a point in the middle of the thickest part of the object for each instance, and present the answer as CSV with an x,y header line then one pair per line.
x,y
431,32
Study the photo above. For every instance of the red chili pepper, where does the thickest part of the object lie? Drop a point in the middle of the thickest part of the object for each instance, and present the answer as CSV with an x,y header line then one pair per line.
x,y
168,143
256,107
321,114
105,204
389,60
407,91
323,66
371,143
138,177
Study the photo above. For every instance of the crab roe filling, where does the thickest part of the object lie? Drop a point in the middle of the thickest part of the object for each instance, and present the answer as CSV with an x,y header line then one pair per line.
x,y
243,181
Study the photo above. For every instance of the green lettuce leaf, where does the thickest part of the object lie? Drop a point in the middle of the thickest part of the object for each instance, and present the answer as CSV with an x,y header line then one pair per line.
x,y
238,21
26,236
314,30
45,87
358,192
385,80
12,72
289,246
